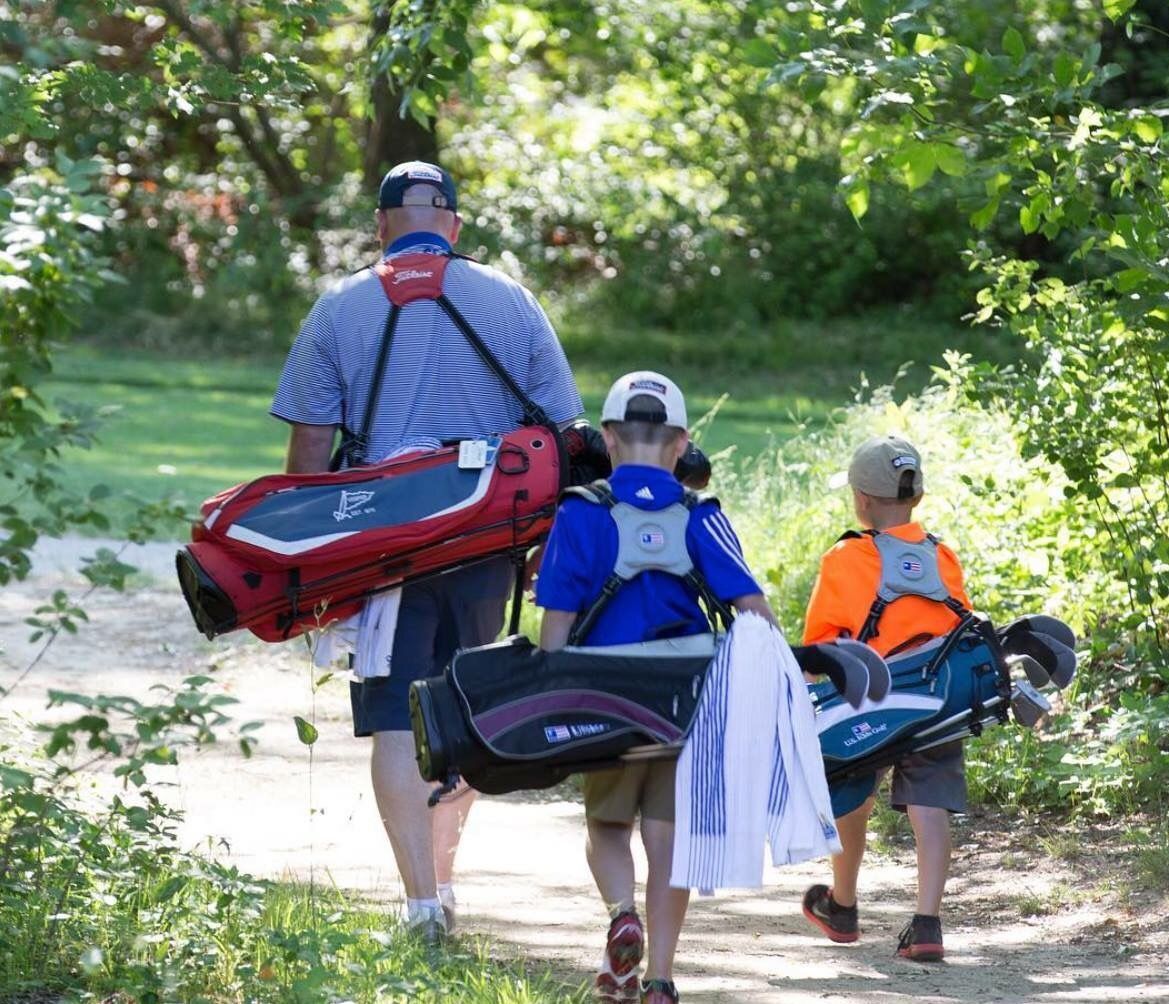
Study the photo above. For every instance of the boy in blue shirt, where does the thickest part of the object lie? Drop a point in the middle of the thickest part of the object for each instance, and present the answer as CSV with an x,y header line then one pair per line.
x,y
644,425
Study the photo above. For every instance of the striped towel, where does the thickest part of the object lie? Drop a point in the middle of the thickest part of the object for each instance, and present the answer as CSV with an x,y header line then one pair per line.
x,y
751,772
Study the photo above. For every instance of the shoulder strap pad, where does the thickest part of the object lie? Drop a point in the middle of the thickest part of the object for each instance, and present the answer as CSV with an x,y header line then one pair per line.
x,y
909,569
598,493
411,277
692,500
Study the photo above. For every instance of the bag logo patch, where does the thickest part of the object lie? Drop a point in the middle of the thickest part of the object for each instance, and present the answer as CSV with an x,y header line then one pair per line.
x,y
563,733
406,274
350,506
910,567
651,538
864,732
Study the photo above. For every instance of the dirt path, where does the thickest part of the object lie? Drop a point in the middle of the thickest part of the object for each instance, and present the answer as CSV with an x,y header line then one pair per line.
x,y
523,880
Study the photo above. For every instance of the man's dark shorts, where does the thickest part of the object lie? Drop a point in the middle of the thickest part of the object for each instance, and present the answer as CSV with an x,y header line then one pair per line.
x,y
437,617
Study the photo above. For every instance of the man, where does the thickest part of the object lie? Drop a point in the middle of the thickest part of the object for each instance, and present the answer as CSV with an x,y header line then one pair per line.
x,y
434,387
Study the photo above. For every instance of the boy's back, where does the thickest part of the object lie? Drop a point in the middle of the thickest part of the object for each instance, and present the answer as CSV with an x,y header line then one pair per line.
x,y
582,552
850,574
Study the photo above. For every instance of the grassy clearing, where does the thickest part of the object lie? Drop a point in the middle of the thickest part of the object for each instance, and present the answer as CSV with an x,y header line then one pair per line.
x,y
191,427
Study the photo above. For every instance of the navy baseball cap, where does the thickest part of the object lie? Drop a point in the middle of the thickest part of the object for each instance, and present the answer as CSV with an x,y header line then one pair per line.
x,y
417,172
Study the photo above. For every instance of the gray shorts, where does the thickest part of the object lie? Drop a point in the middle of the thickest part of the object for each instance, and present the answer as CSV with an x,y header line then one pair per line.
x,y
934,778
437,617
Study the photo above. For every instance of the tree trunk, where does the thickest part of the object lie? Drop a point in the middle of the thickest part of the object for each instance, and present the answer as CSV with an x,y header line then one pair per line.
x,y
391,139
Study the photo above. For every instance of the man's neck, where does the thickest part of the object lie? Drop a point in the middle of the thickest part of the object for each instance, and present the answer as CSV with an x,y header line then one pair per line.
x,y
418,241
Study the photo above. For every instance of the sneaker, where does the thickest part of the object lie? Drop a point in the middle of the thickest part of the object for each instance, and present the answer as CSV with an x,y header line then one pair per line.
x,y
837,922
922,940
428,930
658,992
616,983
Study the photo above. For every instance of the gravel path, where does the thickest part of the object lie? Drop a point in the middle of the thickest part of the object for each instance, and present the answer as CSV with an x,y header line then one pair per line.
x,y
523,880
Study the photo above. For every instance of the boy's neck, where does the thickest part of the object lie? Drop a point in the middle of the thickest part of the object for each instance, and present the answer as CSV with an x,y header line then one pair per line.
x,y
887,520
639,455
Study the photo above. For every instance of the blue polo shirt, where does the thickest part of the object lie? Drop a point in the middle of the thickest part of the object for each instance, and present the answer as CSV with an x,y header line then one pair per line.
x,y
436,387
582,552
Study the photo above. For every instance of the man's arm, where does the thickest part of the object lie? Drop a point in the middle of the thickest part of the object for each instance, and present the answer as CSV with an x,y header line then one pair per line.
x,y
309,448
555,628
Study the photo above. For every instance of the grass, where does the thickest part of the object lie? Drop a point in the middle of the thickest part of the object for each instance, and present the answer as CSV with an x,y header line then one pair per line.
x,y
189,427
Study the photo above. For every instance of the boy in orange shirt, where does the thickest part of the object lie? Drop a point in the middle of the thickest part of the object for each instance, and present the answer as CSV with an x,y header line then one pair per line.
x,y
870,588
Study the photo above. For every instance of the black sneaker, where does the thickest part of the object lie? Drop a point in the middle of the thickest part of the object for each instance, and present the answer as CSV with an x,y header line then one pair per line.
x,y
837,922
921,940
658,992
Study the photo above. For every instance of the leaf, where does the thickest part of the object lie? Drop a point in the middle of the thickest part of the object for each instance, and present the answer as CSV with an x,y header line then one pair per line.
x,y
306,732
758,52
917,163
1116,9
1013,45
857,200
1148,128
951,160
1029,218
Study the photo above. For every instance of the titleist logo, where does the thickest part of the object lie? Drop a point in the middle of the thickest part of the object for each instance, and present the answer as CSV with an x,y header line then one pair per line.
x,y
411,273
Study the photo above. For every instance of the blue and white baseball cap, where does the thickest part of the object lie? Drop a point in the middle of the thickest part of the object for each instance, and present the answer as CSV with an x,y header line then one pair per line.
x,y
392,194
652,384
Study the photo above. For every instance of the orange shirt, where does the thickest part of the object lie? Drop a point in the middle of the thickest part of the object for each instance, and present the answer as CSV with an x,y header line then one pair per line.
x,y
847,585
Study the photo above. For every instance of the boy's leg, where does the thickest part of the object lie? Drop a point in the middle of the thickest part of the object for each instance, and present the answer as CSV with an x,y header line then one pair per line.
x,y
931,830
610,799
610,859
853,829
665,907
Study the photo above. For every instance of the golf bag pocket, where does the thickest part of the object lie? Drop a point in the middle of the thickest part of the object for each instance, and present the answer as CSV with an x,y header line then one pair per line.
x,y
511,716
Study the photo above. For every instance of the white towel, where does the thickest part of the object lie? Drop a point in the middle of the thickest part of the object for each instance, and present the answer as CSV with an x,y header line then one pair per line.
x,y
369,634
750,772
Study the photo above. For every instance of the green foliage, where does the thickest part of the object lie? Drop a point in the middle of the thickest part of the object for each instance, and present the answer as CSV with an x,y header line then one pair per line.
x,y
98,900
1024,120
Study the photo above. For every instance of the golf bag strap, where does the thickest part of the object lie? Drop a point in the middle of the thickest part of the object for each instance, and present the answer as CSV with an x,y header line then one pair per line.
x,y
351,450
532,411
600,493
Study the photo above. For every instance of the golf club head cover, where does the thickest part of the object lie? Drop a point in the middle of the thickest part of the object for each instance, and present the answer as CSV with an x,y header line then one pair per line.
x,y
693,468
848,674
1043,624
1054,656
879,679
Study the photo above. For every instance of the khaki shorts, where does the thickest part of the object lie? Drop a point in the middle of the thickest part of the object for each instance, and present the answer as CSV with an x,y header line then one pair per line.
x,y
615,796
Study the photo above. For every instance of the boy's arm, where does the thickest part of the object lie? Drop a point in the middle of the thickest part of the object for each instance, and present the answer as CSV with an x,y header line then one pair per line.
x,y
755,603
554,629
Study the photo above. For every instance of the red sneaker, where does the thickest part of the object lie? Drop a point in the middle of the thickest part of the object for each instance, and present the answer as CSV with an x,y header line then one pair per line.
x,y
921,940
838,923
616,983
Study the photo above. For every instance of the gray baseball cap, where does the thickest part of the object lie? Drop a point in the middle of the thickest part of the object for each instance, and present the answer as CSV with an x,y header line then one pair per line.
x,y
878,466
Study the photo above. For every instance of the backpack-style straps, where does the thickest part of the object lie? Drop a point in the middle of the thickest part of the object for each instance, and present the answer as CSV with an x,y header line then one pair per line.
x,y
908,568
647,540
